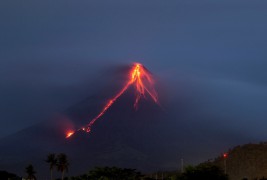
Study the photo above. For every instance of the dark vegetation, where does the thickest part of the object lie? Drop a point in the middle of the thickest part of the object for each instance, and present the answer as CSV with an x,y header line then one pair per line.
x,y
7,175
247,162
110,173
30,172
203,171
60,161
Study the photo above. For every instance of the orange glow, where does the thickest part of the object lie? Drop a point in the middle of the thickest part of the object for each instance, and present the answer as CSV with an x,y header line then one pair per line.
x,y
143,82
69,134
139,75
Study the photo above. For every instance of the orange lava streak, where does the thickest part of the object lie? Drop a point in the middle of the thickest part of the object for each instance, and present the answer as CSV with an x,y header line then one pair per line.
x,y
143,82
139,75
69,134
106,107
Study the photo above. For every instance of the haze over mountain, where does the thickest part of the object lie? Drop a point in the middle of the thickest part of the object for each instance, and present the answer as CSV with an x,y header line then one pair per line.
x,y
52,53
208,57
149,138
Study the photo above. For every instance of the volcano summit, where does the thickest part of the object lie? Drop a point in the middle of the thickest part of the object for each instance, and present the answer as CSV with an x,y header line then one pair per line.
x,y
141,79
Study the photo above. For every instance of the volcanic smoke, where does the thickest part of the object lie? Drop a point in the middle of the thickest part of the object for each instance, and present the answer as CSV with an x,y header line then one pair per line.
x,y
141,80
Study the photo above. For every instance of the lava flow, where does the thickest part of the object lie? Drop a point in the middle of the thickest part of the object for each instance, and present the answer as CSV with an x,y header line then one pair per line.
x,y
143,83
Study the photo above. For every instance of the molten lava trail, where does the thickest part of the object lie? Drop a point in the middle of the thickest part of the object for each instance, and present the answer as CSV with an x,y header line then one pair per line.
x,y
143,82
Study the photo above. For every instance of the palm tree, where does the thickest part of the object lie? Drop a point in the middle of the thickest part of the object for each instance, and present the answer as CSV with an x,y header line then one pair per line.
x,y
52,160
62,163
30,172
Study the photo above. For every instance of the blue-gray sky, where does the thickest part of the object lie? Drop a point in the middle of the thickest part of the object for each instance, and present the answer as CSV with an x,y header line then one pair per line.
x,y
211,53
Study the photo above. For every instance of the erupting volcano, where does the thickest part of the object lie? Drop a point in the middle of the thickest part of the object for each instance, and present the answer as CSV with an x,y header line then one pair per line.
x,y
143,83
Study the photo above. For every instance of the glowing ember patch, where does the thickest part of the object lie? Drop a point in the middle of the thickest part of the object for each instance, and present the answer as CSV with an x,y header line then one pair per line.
x,y
69,134
225,155
143,82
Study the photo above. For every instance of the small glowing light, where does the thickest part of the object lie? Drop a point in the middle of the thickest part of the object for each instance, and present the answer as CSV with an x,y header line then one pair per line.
x,y
225,155
69,134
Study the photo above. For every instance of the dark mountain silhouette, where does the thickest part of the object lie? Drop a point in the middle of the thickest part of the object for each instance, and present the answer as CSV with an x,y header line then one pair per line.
x,y
147,139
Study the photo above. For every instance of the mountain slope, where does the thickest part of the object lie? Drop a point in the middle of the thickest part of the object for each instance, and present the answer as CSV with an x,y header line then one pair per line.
x,y
122,137
148,139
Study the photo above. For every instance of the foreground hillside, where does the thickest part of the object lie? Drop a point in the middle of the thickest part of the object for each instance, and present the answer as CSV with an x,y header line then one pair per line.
x,y
246,161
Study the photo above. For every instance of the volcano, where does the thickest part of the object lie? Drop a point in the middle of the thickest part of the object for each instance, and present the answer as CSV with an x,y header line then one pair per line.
x,y
123,137
147,139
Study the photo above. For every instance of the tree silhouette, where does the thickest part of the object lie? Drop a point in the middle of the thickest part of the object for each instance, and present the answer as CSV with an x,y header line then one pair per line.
x,y
114,173
30,172
8,175
203,171
62,164
52,160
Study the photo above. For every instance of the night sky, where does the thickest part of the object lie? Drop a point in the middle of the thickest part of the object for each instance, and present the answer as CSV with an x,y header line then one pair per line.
x,y
208,55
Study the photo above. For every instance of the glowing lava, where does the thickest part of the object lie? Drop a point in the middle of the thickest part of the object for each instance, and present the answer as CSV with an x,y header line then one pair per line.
x,y
143,82
69,134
